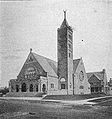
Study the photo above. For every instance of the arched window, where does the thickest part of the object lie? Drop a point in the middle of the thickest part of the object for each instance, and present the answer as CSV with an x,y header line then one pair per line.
x,y
81,75
44,88
17,88
23,87
31,87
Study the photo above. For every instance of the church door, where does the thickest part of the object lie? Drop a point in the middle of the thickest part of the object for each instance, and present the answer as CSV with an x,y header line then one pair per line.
x,y
44,88
23,87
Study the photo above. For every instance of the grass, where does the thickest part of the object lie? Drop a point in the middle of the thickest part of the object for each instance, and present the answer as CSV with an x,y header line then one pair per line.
x,y
57,110
101,100
8,107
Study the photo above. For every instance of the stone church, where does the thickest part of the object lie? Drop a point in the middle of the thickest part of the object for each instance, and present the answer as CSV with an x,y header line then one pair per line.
x,y
39,74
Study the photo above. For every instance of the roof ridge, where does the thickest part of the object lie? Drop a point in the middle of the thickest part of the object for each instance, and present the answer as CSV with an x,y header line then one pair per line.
x,y
94,72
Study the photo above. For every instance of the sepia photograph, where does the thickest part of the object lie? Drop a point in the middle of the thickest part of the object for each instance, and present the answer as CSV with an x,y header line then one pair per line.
x,y
55,59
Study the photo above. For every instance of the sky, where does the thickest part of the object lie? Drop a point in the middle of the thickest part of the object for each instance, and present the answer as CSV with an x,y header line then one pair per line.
x,y
33,24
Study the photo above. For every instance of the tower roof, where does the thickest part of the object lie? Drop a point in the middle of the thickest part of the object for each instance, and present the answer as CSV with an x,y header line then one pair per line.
x,y
64,23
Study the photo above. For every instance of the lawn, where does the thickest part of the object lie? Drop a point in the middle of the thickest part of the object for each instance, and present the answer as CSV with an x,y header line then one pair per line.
x,y
39,110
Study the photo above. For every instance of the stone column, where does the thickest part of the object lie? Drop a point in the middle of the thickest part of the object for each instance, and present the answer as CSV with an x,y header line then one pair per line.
x,y
20,88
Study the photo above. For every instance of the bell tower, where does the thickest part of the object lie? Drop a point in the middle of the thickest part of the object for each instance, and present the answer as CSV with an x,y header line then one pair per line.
x,y
65,56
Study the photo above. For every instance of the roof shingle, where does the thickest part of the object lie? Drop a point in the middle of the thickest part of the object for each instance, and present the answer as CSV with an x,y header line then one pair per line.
x,y
47,64
100,74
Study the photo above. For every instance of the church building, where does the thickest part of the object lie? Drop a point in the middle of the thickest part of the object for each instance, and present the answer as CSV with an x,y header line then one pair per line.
x,y
39,74
98,82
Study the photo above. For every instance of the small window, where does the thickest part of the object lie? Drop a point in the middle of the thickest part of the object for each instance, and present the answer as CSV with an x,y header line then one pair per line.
x,y
70,37
81,87
82,93
52,85
62,86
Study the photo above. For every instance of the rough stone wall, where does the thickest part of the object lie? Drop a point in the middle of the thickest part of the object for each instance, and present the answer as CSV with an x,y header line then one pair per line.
x,y
39,69
55,81
70,62
79,83
62,54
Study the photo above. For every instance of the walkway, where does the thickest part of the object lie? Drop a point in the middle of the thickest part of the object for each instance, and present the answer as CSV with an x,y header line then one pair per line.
x,y
74,102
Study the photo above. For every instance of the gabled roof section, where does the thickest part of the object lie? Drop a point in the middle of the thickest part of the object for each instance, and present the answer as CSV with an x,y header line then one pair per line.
x,y
75,64
100,75
47,64
93,78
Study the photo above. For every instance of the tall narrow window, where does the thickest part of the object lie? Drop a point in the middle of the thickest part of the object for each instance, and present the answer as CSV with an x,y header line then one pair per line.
x,y
36,88
62,86
69,54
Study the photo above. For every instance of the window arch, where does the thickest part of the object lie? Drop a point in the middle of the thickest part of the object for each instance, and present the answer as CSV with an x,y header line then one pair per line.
x,y
17,88
23,87
31,87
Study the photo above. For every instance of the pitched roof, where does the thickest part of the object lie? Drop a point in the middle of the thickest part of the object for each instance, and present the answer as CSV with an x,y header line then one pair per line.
x,y
100,74
50,66
47,64
75,64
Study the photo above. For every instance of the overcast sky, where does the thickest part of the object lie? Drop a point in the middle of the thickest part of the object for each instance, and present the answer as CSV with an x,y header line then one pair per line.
x,y
33,24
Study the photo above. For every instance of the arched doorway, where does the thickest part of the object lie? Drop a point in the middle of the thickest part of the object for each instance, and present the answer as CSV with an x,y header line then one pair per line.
x,y
17,88
23,87
31,87
44,88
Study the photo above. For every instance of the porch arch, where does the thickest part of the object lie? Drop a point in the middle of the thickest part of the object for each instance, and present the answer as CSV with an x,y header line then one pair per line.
x,y
31,87
23,89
